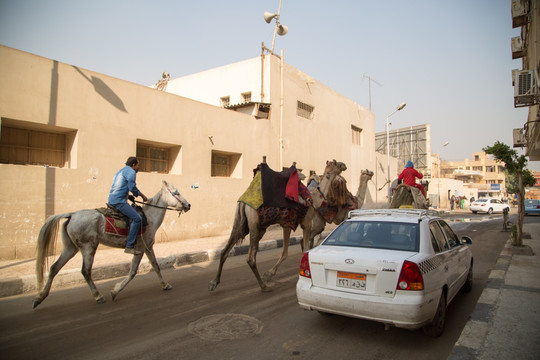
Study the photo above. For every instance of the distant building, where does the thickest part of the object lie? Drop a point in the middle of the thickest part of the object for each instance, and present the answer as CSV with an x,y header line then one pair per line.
x,y
482,173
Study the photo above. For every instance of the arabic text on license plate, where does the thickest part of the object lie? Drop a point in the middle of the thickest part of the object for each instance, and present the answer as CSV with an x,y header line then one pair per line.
x,y
351,280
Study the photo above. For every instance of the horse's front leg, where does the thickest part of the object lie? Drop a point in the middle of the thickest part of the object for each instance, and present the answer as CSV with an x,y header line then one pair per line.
x,y
88,260
284,253
132,272
152,258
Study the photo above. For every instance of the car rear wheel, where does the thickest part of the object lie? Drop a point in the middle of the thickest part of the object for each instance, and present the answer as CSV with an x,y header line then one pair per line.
x,y
475,212
436,327
490,211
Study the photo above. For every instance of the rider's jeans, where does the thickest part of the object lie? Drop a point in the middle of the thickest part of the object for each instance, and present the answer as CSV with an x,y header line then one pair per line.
x,y
130,212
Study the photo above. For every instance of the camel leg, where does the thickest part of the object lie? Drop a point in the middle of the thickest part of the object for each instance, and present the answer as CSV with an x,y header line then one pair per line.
x,y
224,255
306,233
317,227
68,251
284,253
132,272
86,270
255,236
152,258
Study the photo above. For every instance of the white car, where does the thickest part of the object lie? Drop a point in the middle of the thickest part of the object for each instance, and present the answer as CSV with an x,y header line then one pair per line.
x,y
400,267
488,205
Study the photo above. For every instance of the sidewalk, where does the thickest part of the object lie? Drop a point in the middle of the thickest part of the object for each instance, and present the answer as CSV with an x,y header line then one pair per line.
x,y
18,276
505,323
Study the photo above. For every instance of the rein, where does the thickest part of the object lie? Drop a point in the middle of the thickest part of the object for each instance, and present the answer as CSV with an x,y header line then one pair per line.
x,y
163,207
156,206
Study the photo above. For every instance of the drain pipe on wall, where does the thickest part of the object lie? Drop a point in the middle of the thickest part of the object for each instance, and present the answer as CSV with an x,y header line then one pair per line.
x,y
281,117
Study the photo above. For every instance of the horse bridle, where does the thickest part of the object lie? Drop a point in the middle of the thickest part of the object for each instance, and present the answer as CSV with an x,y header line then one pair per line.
x,y
174,194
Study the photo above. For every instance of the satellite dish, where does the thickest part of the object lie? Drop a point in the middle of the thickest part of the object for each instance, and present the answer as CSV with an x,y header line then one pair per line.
x,y
282,30
268,16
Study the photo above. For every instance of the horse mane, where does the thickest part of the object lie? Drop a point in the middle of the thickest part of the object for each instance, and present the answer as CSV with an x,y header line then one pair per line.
x,y
338,194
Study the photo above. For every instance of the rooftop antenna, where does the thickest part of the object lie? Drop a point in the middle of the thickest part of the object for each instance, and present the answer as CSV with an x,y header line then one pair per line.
x,y
370,79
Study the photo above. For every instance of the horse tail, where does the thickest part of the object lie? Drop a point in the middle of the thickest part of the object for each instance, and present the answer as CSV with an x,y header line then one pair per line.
x,y
46,241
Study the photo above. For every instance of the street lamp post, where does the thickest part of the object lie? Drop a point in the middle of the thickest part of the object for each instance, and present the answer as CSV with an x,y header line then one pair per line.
x,y
439,175
399,107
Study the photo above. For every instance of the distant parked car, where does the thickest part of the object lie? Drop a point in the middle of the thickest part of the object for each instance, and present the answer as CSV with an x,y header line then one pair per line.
x,y
532,207
488,205
399,267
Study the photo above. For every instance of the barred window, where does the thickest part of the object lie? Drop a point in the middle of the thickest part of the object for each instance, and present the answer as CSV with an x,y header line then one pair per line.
x,y
225,101
158,157
24,146
246,97
356,135
225,164
304,110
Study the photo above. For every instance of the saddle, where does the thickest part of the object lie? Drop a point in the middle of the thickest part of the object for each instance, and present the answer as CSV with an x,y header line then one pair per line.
x,y
117,223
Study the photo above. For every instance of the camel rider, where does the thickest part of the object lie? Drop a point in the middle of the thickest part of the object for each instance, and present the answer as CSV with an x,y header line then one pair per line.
x,y
409,175
124,183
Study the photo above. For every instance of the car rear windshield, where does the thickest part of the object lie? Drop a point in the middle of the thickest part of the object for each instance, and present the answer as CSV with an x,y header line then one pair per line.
x,y
376,234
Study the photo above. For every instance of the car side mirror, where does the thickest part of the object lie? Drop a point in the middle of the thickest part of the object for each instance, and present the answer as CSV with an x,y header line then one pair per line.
x,y
466,240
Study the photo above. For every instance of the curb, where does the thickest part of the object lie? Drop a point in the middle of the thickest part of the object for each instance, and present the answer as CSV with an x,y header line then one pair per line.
x,y
27,284
471,342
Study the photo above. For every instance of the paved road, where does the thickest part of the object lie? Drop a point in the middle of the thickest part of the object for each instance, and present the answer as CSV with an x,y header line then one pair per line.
x,y
236,321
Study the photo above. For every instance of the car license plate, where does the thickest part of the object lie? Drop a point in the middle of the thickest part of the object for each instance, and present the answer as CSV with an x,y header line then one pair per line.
x,y
351,280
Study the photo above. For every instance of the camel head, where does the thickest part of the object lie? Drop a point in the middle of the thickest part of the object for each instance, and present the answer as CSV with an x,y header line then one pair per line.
x,y
333,168
366,175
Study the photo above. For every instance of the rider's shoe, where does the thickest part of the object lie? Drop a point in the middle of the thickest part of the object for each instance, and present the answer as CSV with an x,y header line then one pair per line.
x,y
132,251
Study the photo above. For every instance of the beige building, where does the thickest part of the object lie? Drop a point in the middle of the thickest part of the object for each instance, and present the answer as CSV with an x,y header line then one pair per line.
x,y
481,174
526,16
65,131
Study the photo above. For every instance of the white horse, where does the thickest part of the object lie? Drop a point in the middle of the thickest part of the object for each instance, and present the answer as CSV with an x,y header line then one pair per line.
x,y
85,229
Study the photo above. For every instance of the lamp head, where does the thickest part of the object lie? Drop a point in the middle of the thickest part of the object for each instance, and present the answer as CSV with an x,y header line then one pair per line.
x,y
401,106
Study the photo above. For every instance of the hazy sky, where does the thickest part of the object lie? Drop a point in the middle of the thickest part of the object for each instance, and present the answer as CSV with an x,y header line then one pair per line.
x,y
450,61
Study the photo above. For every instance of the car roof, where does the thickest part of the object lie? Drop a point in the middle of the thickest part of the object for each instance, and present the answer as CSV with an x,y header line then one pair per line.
x,y
393,215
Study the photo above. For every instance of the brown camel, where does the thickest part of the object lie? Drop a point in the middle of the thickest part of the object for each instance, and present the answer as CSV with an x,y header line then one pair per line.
x,y
343,208
246,221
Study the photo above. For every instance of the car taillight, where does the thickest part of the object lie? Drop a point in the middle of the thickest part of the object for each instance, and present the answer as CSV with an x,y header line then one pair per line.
x,y
410,277
304,266
483,205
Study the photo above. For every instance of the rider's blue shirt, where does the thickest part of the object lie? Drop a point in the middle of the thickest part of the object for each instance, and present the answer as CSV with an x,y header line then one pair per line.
x,y
123,183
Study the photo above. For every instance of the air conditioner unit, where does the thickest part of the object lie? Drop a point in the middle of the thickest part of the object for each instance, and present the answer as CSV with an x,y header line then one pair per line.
x,y
518,50
525,88
519,12
519,138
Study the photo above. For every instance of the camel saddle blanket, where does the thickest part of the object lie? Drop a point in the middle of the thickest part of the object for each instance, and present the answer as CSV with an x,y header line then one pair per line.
x,y
253,194
269,215
329,213
279,189
117,223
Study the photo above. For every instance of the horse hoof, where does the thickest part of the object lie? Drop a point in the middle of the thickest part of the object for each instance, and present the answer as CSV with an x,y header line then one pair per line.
x,y
167,287
212,285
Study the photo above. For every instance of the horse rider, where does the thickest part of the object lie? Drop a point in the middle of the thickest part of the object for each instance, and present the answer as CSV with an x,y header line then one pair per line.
x,y
409,175
124,183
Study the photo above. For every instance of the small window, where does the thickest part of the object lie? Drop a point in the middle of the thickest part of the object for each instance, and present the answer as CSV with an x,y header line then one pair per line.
x,y
158,157
304,110
46,146
225,101
476,157
246,97
225,164
356,135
